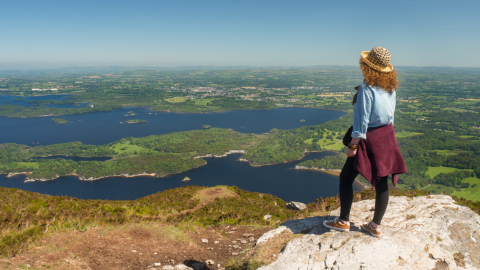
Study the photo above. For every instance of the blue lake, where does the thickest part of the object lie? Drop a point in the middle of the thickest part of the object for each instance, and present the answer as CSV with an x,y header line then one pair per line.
x,y
105,127
281,180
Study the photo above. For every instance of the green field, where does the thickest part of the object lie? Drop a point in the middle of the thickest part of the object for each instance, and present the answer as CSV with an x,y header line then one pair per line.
x,y
471,193
406,134
434,171
203,101
434,188
337,146
334,144
128,148
176,99
33,165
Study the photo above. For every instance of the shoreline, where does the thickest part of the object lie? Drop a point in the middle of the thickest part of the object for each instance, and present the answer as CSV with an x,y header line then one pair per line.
x,y
303,155
150,108
335,172
165,175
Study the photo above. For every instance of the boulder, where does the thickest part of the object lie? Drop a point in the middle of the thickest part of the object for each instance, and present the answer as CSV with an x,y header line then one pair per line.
x,y
296,206
199,265
429,232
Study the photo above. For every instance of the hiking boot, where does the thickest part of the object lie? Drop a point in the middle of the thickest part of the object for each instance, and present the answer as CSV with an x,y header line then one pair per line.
x,y
337,225
368,228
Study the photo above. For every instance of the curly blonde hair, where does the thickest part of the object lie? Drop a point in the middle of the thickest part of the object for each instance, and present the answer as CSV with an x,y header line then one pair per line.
x,y
387,81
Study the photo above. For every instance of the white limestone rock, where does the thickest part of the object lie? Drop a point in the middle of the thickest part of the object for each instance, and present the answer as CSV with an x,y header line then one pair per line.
x,y
182,267
430,232
296,206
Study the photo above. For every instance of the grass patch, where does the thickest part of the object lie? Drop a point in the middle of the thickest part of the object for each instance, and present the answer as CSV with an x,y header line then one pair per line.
x,y
436,188
404,134
203,101
471,193
33,165
446,152
451,152
337,146
333,144
434,171
176,99
121,148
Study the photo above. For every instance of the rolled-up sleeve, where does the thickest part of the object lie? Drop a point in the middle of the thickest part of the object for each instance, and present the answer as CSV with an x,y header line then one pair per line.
x,y
361,113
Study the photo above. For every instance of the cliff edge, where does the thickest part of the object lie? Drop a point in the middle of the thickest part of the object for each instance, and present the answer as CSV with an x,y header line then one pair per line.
x,y
429,232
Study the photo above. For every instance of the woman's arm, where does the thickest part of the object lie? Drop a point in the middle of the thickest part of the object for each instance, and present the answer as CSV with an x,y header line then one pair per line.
x,y
361,112
361,117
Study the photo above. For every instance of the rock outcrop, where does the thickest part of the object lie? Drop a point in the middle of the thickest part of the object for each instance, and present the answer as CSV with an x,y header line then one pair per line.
x,y
296,206
430,232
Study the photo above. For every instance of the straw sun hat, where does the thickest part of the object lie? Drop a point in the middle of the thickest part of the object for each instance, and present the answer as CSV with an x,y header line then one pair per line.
x,y
378,58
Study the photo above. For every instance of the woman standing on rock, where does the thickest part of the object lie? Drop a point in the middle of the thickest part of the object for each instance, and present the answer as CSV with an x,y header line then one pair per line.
x,y
372,146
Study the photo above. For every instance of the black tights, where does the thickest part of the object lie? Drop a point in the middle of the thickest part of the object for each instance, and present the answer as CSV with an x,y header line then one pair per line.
x,y
347,176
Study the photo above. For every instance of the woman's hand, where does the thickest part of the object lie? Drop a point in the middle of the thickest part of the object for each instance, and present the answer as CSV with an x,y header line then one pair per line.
x,y
351,153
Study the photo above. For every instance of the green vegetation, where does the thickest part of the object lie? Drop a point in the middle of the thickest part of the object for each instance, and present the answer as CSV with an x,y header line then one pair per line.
x,y
206,126
125,148
328,163
159,155
59,121
135,121
26,216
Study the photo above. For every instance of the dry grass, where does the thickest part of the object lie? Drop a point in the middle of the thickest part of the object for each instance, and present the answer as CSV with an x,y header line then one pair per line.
x,y
262,254
209,194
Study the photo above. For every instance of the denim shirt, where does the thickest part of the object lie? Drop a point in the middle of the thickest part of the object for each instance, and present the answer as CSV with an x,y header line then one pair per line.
x,y
374,107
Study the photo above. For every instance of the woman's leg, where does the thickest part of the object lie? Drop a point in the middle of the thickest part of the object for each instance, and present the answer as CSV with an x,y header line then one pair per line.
x,y
347,176
381,200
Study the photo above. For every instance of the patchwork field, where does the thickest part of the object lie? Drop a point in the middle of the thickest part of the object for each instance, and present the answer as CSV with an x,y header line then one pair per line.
x,y
473,192
176,99
434,171
203,101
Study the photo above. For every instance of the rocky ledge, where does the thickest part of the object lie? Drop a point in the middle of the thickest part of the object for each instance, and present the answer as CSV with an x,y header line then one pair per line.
x,y
224,155
430,232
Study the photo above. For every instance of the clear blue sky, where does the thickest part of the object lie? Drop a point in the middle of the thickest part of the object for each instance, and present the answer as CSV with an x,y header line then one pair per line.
x,y
48,33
